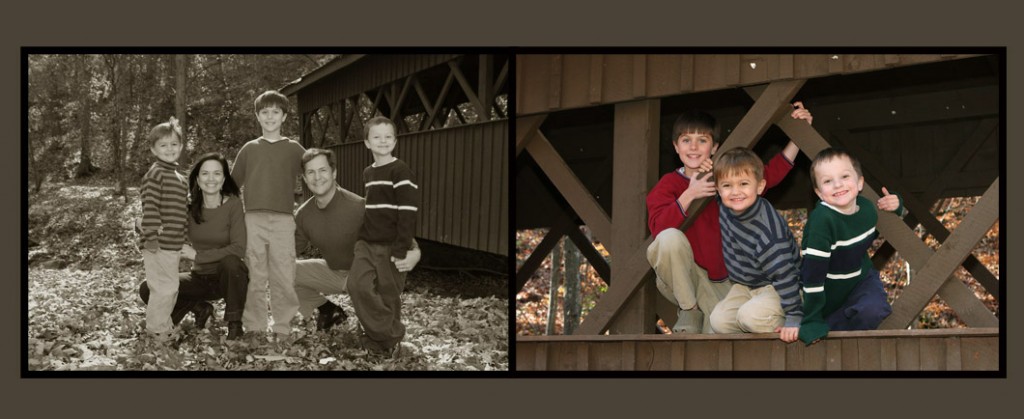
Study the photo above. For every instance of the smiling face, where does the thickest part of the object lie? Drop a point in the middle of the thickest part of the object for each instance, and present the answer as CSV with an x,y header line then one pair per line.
x,y
693,148
211,177
739,189
380,139
167,149
837,183
319,176
271,118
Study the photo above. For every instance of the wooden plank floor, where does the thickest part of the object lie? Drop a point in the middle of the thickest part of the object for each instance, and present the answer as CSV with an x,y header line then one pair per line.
x,y
968,349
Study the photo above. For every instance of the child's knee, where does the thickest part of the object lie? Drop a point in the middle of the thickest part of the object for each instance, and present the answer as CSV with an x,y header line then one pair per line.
x,y
755,319
671,240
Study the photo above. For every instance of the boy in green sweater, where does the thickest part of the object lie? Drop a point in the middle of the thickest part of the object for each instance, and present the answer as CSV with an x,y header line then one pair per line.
x,y
842,290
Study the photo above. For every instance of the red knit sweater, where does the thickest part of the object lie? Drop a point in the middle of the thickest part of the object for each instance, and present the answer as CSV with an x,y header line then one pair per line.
x,y
705,234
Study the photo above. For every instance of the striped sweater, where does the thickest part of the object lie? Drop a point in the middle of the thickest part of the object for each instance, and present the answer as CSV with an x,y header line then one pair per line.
x,y
392,203
164,192
835,259
760,250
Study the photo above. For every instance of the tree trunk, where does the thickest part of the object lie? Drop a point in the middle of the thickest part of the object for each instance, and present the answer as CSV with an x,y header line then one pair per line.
x,y
556,276
180,62
85,167
572,288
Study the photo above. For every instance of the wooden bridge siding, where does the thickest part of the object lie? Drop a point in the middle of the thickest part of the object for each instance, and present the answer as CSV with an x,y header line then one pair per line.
x,y
549,82
905,350
366,74
463,179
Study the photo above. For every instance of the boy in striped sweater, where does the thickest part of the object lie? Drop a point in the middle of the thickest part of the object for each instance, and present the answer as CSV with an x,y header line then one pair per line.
x,y
164,192
759,251
392,202
842,290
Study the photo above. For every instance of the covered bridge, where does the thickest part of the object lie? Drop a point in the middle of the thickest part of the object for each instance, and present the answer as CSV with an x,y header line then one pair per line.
x,y
592,139
450,110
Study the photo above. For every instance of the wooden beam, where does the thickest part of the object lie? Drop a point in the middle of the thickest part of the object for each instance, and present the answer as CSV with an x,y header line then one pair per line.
x,y
571,188
634,171
396,112
596,259
526,128
554,81
637,270
484,73
769,106
542,250
596,78
499,81
433,111
936,271
468,89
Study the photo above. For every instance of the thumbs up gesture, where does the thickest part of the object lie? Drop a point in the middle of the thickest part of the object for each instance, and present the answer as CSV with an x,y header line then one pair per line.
x,y
888,202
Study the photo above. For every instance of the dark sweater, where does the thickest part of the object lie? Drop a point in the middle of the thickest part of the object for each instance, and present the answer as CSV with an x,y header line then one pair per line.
x,y
333,229
759,250
835,259
267,172
222,233
392,203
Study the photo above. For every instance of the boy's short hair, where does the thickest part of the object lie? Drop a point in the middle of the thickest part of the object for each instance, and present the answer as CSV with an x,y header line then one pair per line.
x,y
312,153
695,121
378,120
738,160
827,155
269,99
165,129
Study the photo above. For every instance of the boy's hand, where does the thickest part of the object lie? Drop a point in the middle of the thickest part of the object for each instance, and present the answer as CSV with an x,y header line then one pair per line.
x,y
187,252
799,112
788,334
888,202
152,246
701,185
412,257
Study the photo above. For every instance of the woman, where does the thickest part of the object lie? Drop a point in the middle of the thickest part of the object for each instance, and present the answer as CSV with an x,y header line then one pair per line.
x,y
216,230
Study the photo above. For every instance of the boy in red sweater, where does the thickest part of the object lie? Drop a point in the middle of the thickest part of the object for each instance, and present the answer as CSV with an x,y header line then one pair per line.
x,y
690,269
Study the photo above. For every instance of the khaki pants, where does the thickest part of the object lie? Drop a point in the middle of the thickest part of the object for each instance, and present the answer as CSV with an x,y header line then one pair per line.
x,y
270,253
313,280
162,279
748,310
683,282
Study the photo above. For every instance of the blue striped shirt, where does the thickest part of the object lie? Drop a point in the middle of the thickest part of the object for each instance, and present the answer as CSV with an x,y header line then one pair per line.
x,y
759,250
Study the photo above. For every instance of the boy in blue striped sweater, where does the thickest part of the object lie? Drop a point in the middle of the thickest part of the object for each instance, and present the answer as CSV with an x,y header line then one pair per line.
x,y
759,251
392,202
842,290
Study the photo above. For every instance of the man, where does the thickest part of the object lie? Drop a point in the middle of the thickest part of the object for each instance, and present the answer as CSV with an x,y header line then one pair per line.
x,y
329,221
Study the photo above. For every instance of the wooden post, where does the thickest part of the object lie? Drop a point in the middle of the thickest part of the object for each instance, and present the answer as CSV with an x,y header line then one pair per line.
x,y
634,172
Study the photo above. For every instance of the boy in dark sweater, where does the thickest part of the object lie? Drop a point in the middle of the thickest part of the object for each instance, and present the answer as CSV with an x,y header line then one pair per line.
x,y
759,251
392,202
842,290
